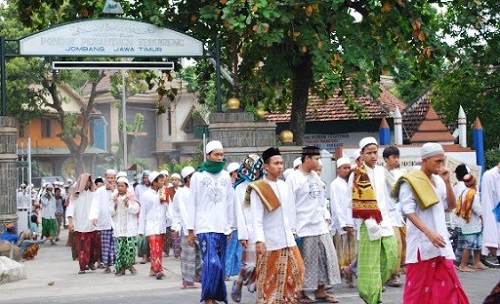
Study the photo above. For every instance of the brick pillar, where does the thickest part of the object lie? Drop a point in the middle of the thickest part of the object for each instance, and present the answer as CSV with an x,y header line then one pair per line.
x,y
8,173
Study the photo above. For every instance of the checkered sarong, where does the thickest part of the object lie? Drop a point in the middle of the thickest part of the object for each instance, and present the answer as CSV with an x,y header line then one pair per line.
x,y
108,249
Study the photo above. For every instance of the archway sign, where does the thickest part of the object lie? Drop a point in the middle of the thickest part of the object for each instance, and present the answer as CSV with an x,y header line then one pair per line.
x,y
111,37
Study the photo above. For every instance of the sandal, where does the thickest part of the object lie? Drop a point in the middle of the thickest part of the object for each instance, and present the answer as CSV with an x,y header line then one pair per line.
x,y
235,293
305,299
327,299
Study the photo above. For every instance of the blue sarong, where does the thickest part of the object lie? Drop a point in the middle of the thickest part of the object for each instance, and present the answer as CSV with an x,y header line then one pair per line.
x,y
212,250
234,252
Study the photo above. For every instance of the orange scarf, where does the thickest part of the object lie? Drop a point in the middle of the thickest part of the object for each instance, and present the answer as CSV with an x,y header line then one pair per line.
x,y
364,198
464,205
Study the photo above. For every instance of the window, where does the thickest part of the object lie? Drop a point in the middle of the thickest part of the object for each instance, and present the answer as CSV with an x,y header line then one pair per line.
x,y
188,125
22,132
46,127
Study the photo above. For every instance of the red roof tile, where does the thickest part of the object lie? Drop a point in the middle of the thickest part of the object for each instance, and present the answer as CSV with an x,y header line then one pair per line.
x,y
335,108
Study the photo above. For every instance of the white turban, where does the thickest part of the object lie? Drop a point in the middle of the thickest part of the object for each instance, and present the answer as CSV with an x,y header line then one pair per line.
x,y
367,141
212,145
343,161
431,149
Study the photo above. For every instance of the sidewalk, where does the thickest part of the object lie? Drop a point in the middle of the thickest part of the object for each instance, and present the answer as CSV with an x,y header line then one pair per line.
x,y
54,273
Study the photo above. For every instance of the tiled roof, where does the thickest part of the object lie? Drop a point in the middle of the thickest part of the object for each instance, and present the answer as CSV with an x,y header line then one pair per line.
x,y
335,108
421,123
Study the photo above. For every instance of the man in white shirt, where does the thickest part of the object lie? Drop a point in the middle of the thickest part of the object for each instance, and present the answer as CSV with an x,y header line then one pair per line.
x,y
77,214
424,196
190,256
101,217
344,237
49,222
392,174
153,222
272,207
374,227
490,198
142,242
311,222
211,218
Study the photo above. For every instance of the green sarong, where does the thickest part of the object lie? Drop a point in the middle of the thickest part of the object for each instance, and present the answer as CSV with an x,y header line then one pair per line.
x,y
376,262
125,252
49,227
142,246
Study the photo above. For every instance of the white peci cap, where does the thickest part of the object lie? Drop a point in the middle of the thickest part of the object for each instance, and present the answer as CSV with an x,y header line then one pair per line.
x,y
232,167
343,161
213,145
187,171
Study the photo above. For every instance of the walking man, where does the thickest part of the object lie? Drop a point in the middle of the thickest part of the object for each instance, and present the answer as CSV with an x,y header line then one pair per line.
x,y
211,194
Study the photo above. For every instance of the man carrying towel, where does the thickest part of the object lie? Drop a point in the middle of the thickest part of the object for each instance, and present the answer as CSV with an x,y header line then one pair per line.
x,y
424,196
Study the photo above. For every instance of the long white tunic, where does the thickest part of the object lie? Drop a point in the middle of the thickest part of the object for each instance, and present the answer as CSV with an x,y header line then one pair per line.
x,y
244,216
339,205
100,209
377,179
79,210
152,219
308,193
393,204
48,206
23,200
273,228
211,203
179,211
433,217
490,197
125,219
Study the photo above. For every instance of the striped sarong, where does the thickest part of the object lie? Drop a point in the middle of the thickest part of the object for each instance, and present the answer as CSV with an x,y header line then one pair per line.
x,y
108,248
280,275
125,252
190,261
213,250
234,253
156,242
376,262
320,260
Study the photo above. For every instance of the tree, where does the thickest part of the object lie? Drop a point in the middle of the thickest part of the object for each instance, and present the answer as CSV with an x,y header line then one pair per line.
x,y
279,51
474,79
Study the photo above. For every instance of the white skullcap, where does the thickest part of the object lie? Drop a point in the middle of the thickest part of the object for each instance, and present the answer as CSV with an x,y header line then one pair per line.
x,y
49,185
23,185
122,180
367,141
297,162
187,171
343,161
164,172
212,145
153,175
287,172
175,175
110,172
232,167
431,149
121,174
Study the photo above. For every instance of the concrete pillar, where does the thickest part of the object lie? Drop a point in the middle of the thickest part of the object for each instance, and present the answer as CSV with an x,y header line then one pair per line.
x,y
462,128
8,172
398,127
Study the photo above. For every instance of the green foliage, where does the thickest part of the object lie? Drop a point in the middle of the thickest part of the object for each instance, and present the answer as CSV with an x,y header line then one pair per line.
x,y
492,158
176,167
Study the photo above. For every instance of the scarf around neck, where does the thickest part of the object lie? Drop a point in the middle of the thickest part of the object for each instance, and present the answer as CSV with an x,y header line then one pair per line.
x,y
364,198
212,166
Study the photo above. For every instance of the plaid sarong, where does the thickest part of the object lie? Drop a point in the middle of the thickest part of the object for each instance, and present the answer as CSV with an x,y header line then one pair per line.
x,y
108,249
376,262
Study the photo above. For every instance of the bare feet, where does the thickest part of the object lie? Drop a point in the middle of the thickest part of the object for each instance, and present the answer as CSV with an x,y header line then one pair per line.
x,y
465,269
479,266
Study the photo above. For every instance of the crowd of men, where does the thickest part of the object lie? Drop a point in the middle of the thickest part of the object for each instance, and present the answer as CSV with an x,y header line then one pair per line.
x,y
282,237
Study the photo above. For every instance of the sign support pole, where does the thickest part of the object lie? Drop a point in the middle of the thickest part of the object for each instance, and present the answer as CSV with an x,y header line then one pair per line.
x,y
218,100
3,77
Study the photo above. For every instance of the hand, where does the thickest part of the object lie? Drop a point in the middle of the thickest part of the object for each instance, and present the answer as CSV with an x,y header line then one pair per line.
x,y
191,237
492,250
445,174
230,236
244,243
125,201
328,221
349,230
94,222
260,247
175,234
70,226
436,239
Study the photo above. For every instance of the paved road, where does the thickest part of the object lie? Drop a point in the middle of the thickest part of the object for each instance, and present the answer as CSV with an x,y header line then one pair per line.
x,y
54,264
